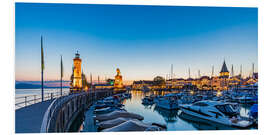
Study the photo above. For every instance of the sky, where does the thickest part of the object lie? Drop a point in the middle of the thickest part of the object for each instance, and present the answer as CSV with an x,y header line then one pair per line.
x,y
143,41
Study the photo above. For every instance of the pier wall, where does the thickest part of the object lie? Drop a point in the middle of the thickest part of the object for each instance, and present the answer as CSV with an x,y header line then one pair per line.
x,y
64,110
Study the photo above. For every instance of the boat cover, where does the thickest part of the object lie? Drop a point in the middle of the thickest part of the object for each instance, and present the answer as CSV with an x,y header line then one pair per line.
x,y
112,123
116,114
103,110
133,125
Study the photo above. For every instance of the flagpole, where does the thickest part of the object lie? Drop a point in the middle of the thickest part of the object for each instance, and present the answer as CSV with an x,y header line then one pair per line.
x,y
61,76
42,68
61,87
42,90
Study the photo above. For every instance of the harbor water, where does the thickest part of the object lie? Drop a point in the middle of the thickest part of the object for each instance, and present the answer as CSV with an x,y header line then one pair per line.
x,y
173,119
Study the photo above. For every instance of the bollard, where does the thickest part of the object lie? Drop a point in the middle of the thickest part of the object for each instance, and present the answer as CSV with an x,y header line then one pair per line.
x,y
34,99
51,96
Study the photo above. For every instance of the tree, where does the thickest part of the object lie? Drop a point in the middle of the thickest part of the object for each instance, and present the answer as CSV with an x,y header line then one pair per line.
x,y
159,81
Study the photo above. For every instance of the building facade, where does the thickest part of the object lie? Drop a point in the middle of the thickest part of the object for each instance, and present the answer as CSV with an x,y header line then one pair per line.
x,y
221,82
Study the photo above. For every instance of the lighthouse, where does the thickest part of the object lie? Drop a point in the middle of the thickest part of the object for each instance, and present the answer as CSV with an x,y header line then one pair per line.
x,y
77,73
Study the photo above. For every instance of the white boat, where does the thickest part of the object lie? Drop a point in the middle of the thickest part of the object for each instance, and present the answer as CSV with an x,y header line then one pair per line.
x,y
185,99
248,99
168,101
120,97
202,124
215,111
111,123
127,95
147,100
116,114
107,110
135,125
145,89
108,102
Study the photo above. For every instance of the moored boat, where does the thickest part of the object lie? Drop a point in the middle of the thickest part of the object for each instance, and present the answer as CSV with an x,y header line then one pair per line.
x,y
135,125
116,114
168,101
215,111
147,100
111,123
248,99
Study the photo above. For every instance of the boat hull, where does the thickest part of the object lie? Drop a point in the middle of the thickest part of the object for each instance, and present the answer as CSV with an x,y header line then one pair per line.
x,y
167,105
220,120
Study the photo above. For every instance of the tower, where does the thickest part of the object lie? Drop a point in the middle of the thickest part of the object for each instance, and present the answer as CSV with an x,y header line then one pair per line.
x,y
77,72
118,82
224,73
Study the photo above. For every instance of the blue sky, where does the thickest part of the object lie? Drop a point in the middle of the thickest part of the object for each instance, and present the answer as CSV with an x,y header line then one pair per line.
x,y
143,41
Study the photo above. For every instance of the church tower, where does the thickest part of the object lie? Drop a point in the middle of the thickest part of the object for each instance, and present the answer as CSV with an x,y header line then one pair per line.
x,y
77,72
224,73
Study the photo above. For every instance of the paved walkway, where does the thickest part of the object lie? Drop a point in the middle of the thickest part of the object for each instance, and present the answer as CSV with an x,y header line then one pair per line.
x,y
29,119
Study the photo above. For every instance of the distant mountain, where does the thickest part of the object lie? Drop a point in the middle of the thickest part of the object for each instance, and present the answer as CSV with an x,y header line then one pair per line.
x,y
33,86
27,86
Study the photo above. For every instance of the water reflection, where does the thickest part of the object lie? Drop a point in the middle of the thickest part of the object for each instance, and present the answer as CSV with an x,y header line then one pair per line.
x,y
152,113
148,106
175,120
172,118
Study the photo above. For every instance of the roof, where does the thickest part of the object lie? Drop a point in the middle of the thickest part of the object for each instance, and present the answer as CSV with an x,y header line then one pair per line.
x,y
224,67
102,85
205,77
143,82
190,79
255,75
212,103
180,79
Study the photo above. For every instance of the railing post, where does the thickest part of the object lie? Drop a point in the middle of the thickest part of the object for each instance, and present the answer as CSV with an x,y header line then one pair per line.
x,y
34,99
51,96
25,100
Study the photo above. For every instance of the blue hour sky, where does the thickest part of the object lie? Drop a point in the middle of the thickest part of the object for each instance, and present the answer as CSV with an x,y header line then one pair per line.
x,y
143,41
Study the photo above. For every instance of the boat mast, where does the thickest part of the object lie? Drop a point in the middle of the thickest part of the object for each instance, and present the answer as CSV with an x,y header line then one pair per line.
x,y
189,72
199,74
232,72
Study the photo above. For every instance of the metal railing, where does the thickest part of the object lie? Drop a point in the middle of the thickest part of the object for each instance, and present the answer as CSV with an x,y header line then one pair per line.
x,y
57,108
24,101
49,114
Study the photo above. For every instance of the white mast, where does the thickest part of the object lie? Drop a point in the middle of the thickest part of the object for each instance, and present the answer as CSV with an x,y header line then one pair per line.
x,y
232,72
188,72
